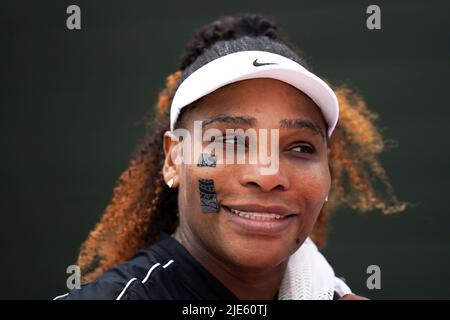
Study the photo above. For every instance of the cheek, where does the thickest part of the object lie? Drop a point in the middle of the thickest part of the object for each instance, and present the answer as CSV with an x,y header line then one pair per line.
x,y
188,197
208,196
199,188
311,188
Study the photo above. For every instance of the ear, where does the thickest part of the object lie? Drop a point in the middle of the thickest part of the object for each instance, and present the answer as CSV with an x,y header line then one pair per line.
x,y
171,169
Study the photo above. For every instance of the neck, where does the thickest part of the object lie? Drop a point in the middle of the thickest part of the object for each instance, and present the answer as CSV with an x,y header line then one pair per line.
x,y
245,283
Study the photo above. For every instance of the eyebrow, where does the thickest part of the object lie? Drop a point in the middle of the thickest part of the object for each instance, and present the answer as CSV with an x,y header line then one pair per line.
x,y
302,123
242,120
284,123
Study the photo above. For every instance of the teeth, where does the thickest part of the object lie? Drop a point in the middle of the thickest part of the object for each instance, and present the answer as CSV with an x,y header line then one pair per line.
x,y
256,215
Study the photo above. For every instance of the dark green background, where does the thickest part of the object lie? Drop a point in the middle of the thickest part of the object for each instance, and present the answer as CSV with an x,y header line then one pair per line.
x,y
72,104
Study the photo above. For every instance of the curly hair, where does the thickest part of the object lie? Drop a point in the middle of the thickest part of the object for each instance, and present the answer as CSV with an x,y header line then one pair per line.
x,y
142,205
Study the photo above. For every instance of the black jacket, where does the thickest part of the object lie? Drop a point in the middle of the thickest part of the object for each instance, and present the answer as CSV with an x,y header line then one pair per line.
x,y
166,270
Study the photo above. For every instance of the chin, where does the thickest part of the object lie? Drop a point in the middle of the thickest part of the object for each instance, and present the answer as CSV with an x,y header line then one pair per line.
x,y
260,258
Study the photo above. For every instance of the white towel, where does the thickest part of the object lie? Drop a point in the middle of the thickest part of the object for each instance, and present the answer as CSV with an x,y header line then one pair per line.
x,y
309,276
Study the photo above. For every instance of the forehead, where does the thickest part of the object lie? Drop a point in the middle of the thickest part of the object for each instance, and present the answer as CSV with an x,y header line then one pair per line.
x,y
266,100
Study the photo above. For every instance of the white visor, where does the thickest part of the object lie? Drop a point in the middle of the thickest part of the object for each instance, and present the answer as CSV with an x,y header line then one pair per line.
x,y
245,65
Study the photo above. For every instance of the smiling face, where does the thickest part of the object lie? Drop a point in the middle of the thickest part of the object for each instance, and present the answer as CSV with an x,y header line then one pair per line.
x,y
262,219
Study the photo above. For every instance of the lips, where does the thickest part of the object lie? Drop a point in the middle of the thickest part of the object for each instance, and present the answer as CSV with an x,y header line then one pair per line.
x,y
259,212
257,219
257,215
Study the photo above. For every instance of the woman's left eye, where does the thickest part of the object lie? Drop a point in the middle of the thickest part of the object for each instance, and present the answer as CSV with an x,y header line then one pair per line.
x,y
303,149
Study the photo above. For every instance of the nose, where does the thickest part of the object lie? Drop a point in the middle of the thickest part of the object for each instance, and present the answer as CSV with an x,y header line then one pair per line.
x,y
251,177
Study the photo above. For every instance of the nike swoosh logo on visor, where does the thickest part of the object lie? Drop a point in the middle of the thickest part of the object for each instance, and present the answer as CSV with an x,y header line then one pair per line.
x,y
259,64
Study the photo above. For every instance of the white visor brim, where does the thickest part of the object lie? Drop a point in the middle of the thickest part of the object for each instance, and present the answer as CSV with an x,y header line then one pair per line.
x,y
246,65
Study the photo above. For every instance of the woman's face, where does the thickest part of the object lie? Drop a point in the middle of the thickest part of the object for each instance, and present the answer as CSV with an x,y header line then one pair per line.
x,y
295,192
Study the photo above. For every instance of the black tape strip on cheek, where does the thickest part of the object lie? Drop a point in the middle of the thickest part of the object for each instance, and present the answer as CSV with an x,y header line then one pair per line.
x,y
208,196
206,160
